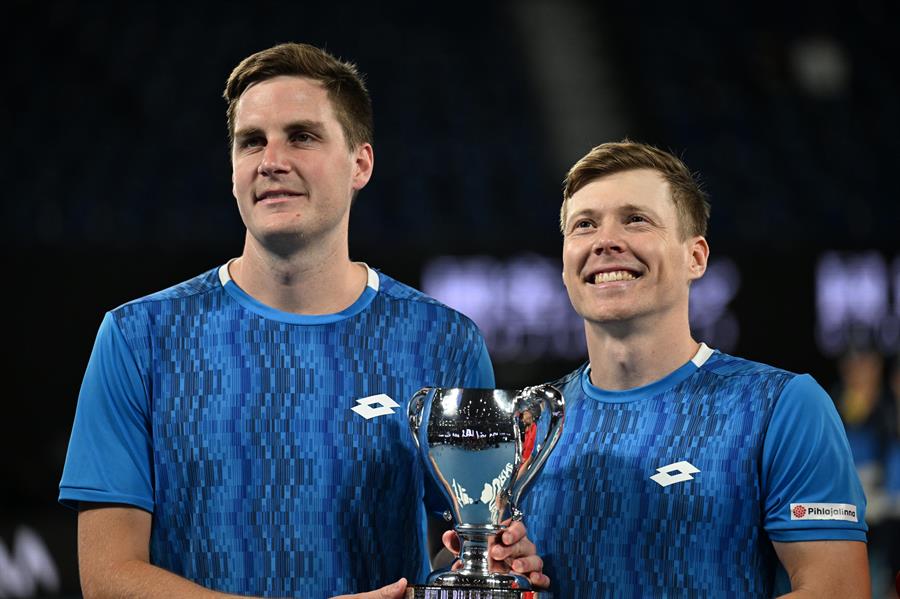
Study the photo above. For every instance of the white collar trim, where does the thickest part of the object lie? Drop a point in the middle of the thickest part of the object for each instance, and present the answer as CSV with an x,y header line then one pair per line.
x,y
371,276
702,355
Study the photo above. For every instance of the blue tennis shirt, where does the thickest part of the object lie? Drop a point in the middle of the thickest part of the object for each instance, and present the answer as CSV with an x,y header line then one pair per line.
x,y
271,448
678,488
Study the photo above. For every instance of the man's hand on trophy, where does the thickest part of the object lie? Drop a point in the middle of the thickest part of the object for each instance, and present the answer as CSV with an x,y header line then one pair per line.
x,y
394,590
510,551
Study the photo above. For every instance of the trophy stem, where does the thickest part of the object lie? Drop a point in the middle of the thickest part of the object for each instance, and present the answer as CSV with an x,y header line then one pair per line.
x,y
474,580
474,551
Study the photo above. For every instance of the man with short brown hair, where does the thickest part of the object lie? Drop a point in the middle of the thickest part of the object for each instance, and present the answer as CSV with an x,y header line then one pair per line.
x,y
682,471
342,82
615,157
243,432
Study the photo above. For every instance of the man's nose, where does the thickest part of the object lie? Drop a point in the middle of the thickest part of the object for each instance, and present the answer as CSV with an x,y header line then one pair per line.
x,y
273,160
607,240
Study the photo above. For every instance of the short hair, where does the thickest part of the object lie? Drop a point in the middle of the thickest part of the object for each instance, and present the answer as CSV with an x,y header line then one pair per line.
x,y
342,81
690,201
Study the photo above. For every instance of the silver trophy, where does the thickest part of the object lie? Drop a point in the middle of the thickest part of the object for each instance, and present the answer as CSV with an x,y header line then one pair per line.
x,y
483,447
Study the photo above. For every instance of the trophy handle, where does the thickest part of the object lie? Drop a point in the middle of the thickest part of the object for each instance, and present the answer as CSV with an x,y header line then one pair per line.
x,y
414,411
552,400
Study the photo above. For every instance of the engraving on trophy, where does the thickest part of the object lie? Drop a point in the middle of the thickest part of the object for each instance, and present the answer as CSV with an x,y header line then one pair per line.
x,y
492,493
461,495
483,439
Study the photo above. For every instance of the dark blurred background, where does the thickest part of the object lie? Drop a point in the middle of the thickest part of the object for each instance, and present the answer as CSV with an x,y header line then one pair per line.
x,y
116,184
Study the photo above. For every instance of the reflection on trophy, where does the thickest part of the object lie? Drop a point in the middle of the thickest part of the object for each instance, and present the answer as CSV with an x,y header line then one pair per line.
x,y
483,447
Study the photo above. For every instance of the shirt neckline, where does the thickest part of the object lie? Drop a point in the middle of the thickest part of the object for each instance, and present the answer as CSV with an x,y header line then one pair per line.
x,y
257,307
670,380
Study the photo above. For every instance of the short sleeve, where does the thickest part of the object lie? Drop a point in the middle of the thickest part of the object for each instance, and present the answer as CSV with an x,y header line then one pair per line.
x,y
810,484
109,456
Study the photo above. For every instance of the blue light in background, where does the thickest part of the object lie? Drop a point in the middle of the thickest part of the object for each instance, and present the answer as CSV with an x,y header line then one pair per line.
x,y
853,302
522,308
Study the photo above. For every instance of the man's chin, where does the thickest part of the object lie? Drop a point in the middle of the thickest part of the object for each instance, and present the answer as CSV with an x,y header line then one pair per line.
x,y
281,241
610,315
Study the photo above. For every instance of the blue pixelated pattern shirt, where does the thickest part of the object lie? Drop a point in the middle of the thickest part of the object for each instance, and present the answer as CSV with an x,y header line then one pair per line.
x,y
234,424
678,488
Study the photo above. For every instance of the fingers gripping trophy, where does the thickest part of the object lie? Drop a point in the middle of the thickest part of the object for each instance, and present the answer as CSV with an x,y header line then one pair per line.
x,y
472,443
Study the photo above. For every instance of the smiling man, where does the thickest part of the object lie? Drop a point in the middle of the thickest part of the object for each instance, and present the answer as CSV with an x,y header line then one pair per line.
x,y
244,432
682,471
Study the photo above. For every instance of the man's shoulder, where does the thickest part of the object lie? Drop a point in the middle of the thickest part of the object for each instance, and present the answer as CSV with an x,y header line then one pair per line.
x,y
395,291
170,313
571,381
722,364
165,298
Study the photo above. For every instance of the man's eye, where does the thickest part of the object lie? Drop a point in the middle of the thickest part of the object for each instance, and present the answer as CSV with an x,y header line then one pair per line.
x,y
301,137
636,218
251,142
581,226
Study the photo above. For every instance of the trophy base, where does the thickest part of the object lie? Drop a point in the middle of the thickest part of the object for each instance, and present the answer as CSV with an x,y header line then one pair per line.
x,y
445,592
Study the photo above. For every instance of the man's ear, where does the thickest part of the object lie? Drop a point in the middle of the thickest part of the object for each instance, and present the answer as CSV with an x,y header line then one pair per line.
x,y
699,257
364,164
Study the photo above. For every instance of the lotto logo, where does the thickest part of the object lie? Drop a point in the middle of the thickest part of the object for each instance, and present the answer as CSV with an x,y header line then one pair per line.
x,y
375,405
674,473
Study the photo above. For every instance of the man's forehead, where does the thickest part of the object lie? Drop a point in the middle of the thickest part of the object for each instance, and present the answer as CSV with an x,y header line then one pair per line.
x,y
284,94
635,188
295,81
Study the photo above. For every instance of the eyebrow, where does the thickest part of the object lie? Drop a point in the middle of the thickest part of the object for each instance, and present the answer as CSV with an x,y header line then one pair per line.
x,y
625,208
314,127
636,208
582,212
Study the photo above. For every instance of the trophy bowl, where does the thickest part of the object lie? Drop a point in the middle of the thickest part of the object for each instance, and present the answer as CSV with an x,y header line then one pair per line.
x,y
483,447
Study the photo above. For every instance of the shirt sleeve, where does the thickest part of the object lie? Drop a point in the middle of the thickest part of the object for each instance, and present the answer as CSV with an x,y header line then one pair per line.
x,y
109,457
810,485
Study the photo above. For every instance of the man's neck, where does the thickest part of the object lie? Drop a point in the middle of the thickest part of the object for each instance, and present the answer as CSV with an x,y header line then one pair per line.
x,y
625,356
305,282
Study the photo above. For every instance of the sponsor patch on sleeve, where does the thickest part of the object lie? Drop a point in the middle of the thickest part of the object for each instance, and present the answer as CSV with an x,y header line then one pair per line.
x,y
824,511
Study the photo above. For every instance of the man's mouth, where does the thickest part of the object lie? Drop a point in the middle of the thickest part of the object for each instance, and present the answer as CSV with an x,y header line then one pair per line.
x,y
613,275
277,194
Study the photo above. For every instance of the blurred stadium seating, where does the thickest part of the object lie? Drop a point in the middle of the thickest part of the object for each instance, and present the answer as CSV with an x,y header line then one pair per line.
x,y
117,178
